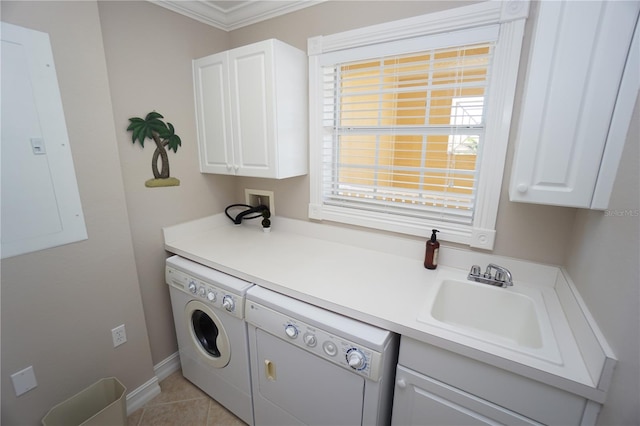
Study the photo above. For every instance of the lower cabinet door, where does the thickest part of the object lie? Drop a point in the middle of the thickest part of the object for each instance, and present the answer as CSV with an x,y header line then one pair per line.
x,y
420,400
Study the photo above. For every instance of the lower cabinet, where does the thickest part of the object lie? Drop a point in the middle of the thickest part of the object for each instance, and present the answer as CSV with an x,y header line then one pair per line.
x,y
438,387
420,400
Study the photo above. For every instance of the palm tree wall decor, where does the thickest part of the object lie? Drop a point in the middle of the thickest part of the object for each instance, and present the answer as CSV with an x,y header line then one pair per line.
x,y
163,134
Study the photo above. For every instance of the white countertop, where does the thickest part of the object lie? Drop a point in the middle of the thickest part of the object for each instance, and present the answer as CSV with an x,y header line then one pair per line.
x,y
379,279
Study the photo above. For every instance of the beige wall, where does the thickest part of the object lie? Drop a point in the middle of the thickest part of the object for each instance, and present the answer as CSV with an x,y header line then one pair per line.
x,y
123,59
149,51
603,260
600,252
59,305
537,233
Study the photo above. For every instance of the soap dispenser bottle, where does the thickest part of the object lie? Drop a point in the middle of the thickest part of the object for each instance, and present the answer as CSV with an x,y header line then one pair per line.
x,y
431,255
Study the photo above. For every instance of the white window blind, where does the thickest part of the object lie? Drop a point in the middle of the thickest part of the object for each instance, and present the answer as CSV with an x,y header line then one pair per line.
x,y
403,133
409,121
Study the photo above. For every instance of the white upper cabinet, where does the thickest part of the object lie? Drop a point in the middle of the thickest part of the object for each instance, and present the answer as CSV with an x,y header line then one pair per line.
x,y
581,87
251,109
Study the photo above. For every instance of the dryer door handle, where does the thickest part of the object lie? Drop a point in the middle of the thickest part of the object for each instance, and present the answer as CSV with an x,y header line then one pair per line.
x,y
269,370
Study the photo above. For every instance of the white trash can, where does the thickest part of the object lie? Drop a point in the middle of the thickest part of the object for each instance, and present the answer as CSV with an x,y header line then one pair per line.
x,y
101,404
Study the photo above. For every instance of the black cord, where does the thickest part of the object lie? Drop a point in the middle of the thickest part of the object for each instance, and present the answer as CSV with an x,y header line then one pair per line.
x,y
226,211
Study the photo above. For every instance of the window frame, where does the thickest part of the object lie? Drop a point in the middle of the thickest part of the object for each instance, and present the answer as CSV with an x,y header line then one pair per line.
x,y
510,16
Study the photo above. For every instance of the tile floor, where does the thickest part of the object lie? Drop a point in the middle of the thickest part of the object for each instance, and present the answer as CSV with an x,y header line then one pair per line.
x,y
182,403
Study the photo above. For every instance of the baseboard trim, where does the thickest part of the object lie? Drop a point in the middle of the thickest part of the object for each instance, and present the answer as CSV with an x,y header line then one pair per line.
x,y
138,397
167,366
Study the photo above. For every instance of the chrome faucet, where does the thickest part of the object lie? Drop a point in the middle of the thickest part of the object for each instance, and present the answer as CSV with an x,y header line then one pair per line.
x,y
501,278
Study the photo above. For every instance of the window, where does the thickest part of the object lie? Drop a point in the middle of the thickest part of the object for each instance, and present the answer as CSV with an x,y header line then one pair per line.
x,y
466,111
401,127
394,128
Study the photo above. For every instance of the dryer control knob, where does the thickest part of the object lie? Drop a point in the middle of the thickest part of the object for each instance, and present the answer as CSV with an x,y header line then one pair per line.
x,y
193,288
228,303
310,340
330,348
291,331
356,359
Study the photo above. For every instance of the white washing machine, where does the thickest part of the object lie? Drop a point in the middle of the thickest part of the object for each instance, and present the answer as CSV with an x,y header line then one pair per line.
x,y
208,311
311,366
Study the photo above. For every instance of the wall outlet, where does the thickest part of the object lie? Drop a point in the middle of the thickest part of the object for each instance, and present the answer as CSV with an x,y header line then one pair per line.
x,y
24,380
256,197
119,335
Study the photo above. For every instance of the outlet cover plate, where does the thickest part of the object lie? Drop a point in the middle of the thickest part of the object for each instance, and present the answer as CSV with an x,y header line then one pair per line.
x,y
24,380
119,335
266,198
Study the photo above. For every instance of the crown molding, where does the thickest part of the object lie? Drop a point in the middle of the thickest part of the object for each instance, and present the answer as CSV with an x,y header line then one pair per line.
x,y
237,16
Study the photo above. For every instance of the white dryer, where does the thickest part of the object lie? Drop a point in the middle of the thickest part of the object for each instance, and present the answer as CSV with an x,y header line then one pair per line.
x,y
208,311
310,366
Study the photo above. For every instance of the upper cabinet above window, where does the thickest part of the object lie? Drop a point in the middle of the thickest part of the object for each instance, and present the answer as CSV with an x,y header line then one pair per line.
x,y
582,84
251,111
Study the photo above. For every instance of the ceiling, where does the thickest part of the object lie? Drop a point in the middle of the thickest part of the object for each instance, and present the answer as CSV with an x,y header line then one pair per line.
x,y
230,15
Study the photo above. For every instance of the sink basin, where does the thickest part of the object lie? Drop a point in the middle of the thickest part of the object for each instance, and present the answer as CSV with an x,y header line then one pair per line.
x,y
497,314
514,319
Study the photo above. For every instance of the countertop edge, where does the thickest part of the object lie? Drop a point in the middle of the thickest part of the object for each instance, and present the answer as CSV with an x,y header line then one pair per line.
x,y
596,352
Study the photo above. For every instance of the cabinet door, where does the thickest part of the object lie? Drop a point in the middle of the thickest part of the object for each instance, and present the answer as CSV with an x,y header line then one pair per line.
x,y
215,138
578,56
253,107
420,400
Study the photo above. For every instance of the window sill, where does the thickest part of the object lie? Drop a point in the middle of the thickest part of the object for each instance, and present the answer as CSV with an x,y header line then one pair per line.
x,y
450,232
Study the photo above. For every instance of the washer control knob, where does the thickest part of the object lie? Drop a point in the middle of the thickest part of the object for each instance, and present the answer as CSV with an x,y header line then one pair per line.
x,y
291,331
310,340
202,291
356,359
193,288
228,303
211,296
